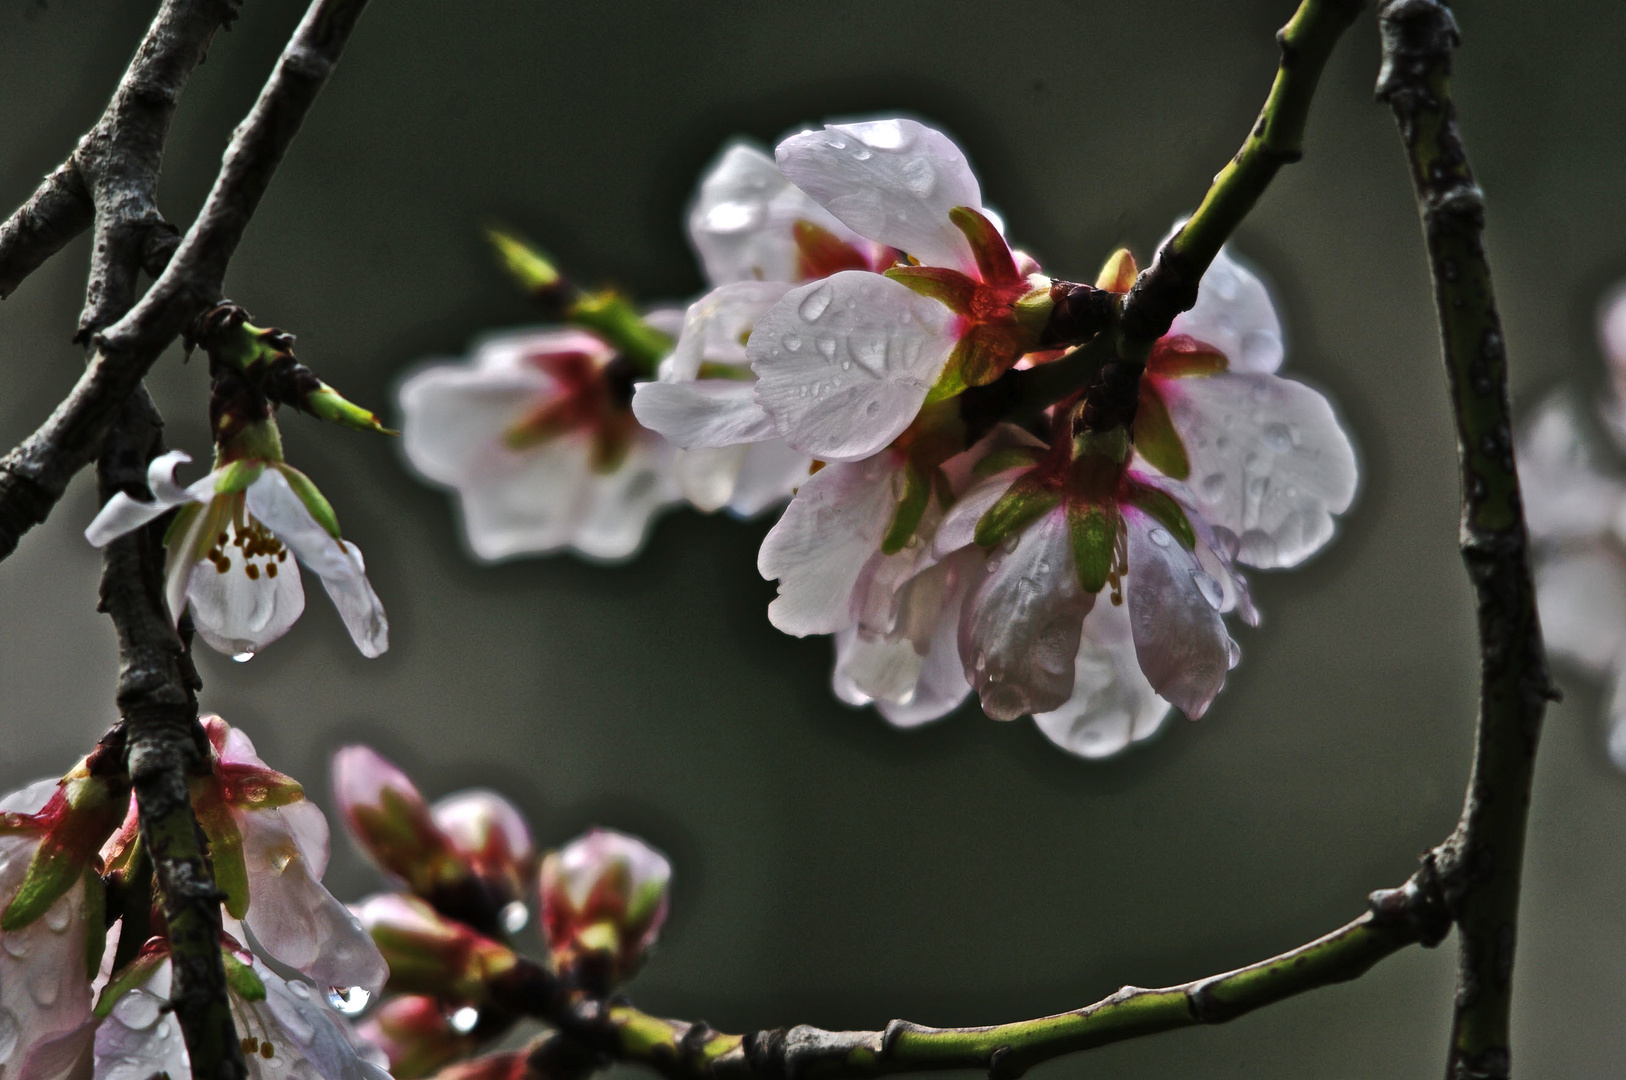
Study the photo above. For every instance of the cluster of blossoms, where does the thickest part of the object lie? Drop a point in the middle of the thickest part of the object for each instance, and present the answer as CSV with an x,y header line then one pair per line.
x,y
464,868
85,970
1077,568
1572,472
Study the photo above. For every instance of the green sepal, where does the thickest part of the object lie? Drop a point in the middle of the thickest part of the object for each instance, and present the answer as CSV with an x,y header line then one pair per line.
x,y
984,353
1033,309
948,287
182,521
1094,531
237,475
1025,502
134,974
242,980
326,403
260,440
226,849
1012,457
1155,437
711,369
613,317
917,490
314,500
988,246
524,263
64,852
1165,510
95,916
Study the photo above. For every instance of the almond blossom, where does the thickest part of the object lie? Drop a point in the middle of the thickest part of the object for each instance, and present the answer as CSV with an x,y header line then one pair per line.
x,y
227,549
535,435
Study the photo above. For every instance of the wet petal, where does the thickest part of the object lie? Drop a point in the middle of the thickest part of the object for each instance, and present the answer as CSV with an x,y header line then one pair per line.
x,y
768,476
704,413
299,1035
1020,628
1234,313
716,326
122,514
1113,704
619,506
893,181
1269,461
139,1039
823,542
741,221
44,989
1180,638
338,563
237,614
844,364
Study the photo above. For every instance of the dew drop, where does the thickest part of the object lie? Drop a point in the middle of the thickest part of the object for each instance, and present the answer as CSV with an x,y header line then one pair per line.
x,y
242,657
137,1010
15,943
1279,437
920,178
44,984
464,1019
1161,537
884,135
815,303
835,144
1233,653
861,155
349,1000
872,408
846,365
1213,486
791,342
871,353
299,990
1011,540
59,917
981,661
8,1035
514,916
827,346
1209,588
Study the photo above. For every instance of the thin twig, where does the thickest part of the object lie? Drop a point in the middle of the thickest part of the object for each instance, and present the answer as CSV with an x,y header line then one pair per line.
x,y
1480,864
115,165
34,474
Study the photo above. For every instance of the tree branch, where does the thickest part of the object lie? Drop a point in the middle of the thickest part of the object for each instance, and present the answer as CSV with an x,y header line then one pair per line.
x,y
1480,863
34,474
115,165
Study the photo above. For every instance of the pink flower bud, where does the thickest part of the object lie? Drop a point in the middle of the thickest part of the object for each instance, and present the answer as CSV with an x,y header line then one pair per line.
x,y
390,820
430,954
416,1035
508,1065
490,837
604,898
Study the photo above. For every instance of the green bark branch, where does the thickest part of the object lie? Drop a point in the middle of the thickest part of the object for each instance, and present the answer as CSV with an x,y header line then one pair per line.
x,y
1480,864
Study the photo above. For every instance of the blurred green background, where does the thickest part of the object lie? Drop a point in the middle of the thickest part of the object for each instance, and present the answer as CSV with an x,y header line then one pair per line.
x,y
831,870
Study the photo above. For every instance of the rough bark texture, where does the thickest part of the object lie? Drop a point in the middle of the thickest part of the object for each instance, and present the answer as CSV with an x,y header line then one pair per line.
x,y
1479,865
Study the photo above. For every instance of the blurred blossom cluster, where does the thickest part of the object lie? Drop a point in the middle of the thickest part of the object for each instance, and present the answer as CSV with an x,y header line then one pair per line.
x,y
1077,567
1572,471
85,969
465,875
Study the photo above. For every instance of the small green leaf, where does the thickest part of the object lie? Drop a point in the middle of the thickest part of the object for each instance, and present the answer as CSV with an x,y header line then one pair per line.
x,y
314,500
51,872
95,916
1012,457
1167,512
1026,501
328,404
948,287
1094,529
527,265
134,974
911,507
1155,436
242,979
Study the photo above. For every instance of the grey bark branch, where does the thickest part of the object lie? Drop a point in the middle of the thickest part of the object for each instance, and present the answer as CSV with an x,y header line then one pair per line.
x,y
35,473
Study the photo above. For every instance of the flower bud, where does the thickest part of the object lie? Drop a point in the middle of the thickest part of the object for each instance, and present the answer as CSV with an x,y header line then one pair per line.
x,y
87,806
507,1065
416,1035
604,898
489,836
430,954
390,820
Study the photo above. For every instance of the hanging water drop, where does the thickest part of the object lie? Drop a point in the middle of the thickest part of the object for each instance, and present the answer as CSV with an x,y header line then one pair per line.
x,y
243,657
464,1019
349,1000
514,916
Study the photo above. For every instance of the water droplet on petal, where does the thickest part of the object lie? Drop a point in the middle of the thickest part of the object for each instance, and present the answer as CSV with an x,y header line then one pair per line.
x,y
920,178
59,916
884,135
791,342
1233,653
349,1000
1279,437
137,1010
827,346
299,990
44,984
872,408
8,1035
1160,537
836,144
1213,486
464,1019
242,657
870,352
861,155
514,916
1209,588
815,303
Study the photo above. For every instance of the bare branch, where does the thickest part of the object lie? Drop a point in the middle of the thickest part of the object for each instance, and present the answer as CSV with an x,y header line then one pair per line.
x,y
34,475
1481,862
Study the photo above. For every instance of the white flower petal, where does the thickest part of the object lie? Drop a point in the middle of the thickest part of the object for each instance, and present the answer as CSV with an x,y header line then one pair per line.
x,y
1112,704
872,667
821,545
530,503
44,990
768,476
707,476
716,326
1269,461
844,364
1180,638
514,350
619,506
453,417
741,221
339,564
1020,628
893,181
1235,315
306,1037
1581,599
705,413
122,514
139,1039
1566,496
237,614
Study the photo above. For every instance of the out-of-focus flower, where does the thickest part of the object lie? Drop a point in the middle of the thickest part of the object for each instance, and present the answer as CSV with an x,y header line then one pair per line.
x,y
270,849
229,543
429,953
604,899
490,837
536,435
415,1034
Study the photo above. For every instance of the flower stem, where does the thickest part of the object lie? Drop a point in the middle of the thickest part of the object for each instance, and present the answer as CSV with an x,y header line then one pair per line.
x,y
1480,864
